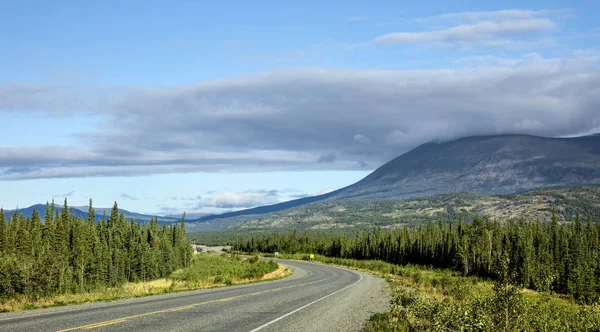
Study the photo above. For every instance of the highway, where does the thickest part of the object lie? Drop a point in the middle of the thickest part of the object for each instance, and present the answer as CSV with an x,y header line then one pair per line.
x,y
315,297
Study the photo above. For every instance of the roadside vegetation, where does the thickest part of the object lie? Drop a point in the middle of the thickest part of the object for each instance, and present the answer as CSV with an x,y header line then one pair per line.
x,y
479,276
208,270
68,260
546,257
429,299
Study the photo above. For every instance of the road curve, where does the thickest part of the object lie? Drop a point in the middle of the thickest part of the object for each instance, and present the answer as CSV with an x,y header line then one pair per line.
x,y
315,297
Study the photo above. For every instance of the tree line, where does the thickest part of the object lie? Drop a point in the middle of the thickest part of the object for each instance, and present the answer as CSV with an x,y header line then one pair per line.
x,y
64,253
556,257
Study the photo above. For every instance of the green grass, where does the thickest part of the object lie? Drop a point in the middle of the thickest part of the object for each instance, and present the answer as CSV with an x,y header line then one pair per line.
x,y
205,271
207,268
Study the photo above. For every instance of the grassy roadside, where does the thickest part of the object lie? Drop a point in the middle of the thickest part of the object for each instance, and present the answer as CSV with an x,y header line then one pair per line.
x,y
441,300
206,271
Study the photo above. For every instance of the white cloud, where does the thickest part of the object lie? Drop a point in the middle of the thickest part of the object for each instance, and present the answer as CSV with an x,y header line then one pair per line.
x,y
236,200
289,120
503,29
325,191
129,197
486,32
528,124
499,15
359,138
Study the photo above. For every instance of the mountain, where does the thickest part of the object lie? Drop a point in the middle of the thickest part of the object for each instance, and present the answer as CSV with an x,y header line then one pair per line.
x,y
81,211
486,165
41,208
353,213
483,165
224,220
131,215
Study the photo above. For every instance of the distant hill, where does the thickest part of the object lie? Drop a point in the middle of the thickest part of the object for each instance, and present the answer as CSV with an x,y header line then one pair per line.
x,y
41,208
188,215
352,213
257,211
483,165
81,211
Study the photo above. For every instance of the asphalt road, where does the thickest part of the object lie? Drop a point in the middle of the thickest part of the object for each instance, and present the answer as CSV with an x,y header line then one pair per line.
x,y
315,297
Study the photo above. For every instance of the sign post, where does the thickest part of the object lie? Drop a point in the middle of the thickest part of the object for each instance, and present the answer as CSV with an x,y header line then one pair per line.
x,y
276,254
312,257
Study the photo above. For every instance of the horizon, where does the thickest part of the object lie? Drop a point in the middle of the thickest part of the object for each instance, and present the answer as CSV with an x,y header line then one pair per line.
x,y
193,216
211,108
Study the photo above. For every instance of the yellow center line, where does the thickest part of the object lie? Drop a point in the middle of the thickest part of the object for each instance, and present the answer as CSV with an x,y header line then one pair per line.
x,y
93,326
124,319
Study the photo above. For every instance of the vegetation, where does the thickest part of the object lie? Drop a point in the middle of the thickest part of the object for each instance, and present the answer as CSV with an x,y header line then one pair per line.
x,y
208,269
483,165
544,257
205,271
350,214
66,254
430,299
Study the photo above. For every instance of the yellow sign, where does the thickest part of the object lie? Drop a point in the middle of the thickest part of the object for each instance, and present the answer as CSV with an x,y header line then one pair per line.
x,y
312,256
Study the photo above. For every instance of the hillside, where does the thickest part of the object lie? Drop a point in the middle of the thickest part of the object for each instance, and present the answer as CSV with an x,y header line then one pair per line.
x,y
352,213
483,165
486,165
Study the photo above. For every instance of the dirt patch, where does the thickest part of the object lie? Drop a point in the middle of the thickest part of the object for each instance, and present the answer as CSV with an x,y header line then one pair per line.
x,y
282,271
198,248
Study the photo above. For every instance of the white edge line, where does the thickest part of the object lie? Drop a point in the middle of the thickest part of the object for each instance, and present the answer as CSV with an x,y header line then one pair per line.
x,y
306,305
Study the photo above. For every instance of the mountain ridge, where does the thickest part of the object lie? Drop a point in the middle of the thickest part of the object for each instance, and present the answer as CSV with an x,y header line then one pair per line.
x,y
485,165
81,212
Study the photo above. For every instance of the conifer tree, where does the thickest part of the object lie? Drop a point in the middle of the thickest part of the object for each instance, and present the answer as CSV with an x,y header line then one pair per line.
x,y
2,231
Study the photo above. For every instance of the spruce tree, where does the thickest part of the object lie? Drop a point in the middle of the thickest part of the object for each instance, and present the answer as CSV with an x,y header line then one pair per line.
x,y
2,231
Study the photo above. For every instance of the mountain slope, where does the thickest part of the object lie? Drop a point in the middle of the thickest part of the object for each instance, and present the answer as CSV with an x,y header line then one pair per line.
x,y
484,165
352,213
261,210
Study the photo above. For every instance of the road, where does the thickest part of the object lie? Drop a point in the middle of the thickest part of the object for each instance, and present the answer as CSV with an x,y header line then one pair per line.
x,y
315,297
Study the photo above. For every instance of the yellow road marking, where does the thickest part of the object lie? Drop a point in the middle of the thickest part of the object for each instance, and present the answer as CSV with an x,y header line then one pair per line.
x,y
93,326
124,319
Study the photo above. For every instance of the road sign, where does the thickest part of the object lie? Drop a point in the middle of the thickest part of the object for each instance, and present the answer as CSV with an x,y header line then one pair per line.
x,y
312,257
277,254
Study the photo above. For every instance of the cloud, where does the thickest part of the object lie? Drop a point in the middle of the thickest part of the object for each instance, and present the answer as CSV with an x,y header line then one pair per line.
x,y
296,196
488,32
327,158
237,200
69,194
502,29
498,15
126,196
217,202
308,119
325,191
528,124
361,139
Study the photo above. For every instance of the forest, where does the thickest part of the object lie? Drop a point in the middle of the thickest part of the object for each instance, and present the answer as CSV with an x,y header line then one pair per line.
x,y
548,257
66,254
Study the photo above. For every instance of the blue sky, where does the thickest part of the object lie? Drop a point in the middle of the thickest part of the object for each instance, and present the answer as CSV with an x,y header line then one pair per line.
x,y
207,107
